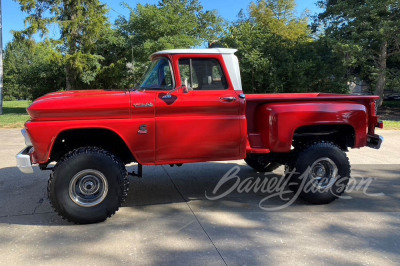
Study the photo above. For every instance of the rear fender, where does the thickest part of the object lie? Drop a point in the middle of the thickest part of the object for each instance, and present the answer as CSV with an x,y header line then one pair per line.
x,y
278,122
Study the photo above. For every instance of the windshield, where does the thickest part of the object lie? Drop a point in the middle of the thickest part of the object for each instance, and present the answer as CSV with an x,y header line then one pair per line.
x,y
158,76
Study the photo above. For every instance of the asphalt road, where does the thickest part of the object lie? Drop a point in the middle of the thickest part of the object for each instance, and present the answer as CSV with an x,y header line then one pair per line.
x,y
168,220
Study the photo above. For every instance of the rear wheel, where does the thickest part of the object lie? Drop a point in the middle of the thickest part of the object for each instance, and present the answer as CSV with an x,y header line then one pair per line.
x,y
88,185
321,172
261,163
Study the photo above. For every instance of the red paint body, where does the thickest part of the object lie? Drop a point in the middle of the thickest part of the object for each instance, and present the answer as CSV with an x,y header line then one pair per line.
x,y
195,126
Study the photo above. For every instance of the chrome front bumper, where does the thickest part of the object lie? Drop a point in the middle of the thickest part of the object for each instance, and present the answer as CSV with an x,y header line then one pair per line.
x,y
24,162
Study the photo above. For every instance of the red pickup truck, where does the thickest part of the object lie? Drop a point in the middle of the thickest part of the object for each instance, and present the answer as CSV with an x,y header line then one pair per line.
x,y
189,108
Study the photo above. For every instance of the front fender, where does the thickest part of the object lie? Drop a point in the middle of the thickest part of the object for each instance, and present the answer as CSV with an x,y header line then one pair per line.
x,y
43,136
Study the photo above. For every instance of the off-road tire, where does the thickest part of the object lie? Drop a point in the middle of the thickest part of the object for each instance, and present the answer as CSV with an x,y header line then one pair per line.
x,y
327,158
260,163
95,166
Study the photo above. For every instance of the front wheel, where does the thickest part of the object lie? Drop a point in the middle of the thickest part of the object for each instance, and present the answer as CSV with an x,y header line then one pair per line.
x,y
320,173
88,185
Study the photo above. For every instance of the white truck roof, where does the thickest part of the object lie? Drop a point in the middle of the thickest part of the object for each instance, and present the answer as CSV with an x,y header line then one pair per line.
x,y
197,51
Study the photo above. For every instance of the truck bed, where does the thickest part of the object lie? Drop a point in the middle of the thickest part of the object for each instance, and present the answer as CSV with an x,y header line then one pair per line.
x,y
255,100
280,115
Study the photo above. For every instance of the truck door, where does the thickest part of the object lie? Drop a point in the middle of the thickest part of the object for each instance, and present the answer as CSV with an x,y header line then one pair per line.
x,y
202,120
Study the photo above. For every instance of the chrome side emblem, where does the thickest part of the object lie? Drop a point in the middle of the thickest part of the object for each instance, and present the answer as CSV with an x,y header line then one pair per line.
x,y
143,105
142,129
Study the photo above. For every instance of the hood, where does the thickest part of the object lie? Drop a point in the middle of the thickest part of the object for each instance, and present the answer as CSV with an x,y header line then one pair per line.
x,y
81,105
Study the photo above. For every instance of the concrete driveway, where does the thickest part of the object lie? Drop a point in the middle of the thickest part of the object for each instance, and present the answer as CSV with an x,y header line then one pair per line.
x,y
168,220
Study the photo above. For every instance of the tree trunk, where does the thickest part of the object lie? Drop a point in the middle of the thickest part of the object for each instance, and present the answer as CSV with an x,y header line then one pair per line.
x,y
381,83
68,85
71,42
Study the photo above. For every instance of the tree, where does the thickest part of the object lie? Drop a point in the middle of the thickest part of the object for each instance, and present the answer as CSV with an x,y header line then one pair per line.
x,y
114,73
275,48
319,67
81,24
167,25
32,69
369,28
16,59
278,18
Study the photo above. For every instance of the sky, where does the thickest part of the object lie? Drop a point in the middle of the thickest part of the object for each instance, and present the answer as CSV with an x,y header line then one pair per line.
x,y
13,18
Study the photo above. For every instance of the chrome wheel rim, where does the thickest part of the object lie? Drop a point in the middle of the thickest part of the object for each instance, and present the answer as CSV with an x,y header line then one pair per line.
x,y
323,173
88,188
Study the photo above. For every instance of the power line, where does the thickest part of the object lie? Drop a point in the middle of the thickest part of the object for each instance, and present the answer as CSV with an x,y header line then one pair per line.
x,y
112,9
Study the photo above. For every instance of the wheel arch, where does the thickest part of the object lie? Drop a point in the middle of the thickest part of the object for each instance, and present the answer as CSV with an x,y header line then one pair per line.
x,y
107,139
343,135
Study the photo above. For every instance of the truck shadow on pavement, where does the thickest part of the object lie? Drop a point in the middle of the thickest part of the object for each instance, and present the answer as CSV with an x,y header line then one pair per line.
x,y
168,220
23,198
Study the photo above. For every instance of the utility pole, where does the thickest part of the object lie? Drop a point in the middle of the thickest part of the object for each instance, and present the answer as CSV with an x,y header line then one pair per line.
x,y
1,61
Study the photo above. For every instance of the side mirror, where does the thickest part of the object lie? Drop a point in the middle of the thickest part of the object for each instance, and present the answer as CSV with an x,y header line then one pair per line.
x,y
185,89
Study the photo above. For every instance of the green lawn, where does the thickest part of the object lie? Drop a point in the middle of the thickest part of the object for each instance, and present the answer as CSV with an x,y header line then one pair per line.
x,y
14,114
393,125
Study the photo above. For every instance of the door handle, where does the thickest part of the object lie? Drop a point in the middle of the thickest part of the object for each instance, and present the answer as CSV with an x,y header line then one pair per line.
x,y
227,99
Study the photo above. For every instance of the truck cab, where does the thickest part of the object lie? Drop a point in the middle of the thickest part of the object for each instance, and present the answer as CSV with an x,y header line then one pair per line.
x,y
199,105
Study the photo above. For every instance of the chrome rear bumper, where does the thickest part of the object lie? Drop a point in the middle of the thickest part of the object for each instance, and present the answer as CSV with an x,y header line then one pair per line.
x,y
374,141
24,162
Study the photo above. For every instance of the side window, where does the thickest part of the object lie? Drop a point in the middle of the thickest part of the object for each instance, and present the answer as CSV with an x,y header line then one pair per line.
x,y
158,76
202,74
188,76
